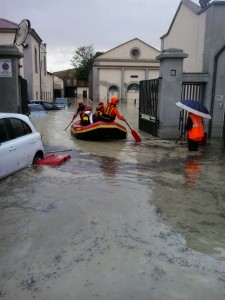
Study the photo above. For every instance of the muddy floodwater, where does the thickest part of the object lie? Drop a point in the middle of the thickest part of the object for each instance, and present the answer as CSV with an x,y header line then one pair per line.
x,y
119,220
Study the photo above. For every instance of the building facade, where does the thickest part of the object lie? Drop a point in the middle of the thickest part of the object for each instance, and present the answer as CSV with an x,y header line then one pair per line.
x,y
199,30
33,64
118,71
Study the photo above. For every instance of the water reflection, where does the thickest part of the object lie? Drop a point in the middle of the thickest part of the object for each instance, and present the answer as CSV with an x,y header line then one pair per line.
x,y
192,168
109,166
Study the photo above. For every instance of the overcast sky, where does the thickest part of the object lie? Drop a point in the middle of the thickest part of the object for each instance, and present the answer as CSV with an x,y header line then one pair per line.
x,y
66,25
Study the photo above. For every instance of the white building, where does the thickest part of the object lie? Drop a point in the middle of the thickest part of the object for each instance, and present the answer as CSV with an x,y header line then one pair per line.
x,y
58,87
118,71
199,30
33,65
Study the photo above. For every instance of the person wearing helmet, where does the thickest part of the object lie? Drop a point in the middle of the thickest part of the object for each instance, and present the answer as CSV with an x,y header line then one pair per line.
x,y
99,110
81,108
111,111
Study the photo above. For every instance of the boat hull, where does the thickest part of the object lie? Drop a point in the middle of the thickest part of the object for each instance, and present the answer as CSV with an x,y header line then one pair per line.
x,y
98,131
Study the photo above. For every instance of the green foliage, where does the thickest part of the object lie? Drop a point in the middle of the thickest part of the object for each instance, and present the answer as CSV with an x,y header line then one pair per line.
x,y
83,60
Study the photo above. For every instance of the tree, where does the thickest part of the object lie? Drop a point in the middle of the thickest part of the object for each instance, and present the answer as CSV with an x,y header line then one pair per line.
x,y
83,61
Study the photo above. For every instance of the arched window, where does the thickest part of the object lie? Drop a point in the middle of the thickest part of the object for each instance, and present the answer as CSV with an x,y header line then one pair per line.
x,y
133,88
113,88
35,60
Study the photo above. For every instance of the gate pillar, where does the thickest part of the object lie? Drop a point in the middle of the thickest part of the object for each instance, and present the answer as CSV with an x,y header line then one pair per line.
x,y
9,79
170,87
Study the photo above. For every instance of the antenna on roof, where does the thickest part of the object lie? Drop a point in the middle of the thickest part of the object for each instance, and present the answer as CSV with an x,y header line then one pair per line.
x,y
21,33
204,3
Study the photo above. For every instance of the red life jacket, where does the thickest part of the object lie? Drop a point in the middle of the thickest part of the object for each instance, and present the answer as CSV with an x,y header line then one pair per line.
x,y
197,132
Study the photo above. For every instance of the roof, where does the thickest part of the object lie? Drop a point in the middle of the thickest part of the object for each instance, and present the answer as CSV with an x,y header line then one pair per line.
x,y
191,5
6,24
135,39
194,7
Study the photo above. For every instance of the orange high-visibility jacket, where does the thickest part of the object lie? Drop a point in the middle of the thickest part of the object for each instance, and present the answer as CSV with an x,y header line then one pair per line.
x,y
197,131
113,112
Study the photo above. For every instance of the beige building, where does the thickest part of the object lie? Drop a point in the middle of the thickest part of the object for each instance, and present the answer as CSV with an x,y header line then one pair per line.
x,y
187,32
58,87
199,30
118,71
33,65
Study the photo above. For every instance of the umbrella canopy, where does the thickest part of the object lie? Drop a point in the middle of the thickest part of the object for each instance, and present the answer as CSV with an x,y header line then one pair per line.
x,y
194,107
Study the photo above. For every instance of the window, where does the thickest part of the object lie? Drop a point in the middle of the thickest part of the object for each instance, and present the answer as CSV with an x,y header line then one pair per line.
x,y
135,53
35,60
134,76
4,134
13,128
45,68
19,127
133,87
113,88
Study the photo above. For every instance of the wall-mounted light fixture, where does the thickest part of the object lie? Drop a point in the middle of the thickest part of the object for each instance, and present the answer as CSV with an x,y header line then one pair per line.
x,y
173,73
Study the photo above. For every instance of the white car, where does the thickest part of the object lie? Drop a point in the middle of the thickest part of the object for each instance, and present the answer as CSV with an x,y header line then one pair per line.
x,y
20,143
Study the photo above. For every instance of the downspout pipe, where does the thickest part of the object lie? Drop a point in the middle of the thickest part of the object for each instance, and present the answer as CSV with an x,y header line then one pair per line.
x,y
40,68
214,87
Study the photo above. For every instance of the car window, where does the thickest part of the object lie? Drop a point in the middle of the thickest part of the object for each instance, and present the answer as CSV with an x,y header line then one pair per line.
x,y
61,101
47,105
36,108
20,127
4,134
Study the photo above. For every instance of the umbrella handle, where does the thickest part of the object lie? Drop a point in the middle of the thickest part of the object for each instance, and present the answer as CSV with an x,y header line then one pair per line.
x,y
180,136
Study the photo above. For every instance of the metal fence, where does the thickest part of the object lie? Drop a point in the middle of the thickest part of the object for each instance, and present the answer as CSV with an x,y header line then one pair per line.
x,y
190,91
148,106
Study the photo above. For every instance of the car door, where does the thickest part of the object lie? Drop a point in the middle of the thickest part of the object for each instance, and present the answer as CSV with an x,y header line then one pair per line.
x,y
8,159
24,142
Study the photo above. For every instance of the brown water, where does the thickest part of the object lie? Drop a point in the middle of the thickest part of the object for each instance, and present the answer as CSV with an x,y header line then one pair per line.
x,y
119,220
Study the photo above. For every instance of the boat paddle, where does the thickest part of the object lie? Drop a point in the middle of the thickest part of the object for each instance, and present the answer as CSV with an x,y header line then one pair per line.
x,y
69,125
134,133
71,121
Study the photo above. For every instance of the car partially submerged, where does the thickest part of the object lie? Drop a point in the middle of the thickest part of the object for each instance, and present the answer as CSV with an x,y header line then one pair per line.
x,y
20,143
62,102
46,105
36,110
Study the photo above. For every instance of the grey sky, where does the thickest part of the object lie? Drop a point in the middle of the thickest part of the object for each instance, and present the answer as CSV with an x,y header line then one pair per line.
x,y
66,25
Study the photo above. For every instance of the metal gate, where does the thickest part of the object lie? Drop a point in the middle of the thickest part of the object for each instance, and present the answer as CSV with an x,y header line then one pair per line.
x,y
148,106
23,95
190,91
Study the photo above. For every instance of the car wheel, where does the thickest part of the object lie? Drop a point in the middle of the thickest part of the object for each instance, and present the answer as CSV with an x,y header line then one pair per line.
x,y
38,156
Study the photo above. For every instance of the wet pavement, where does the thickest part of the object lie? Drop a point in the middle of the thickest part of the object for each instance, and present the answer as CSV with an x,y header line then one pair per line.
x,y
119,220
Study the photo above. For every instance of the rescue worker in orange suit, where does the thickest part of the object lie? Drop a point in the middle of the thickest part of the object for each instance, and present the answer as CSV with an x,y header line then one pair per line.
x,y
111,111
99,110
80,110
195,131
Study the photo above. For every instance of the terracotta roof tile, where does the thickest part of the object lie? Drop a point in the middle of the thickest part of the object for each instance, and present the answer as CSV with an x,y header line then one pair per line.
x,y
6,24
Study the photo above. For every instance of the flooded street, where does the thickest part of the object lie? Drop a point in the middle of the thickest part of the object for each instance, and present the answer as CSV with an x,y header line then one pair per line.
x,y
119,220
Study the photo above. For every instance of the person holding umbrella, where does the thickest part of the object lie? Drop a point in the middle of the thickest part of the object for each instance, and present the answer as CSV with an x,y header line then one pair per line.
x,y
195,131
194,125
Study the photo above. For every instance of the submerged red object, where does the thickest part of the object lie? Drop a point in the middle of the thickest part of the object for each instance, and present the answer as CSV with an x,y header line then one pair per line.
x,y
53,160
